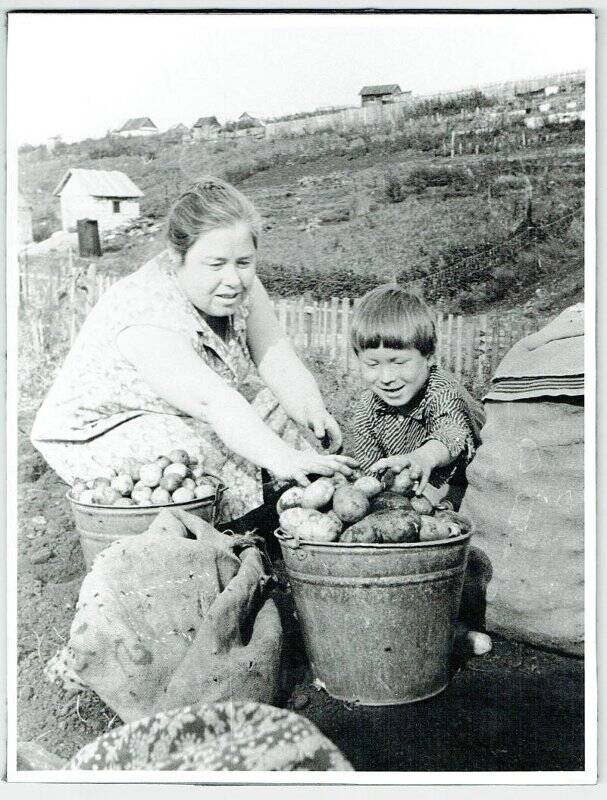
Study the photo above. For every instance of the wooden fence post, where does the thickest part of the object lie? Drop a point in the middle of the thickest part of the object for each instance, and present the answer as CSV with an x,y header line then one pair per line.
x,y
345,331
458,347
334,335
439,339
448,345
282,315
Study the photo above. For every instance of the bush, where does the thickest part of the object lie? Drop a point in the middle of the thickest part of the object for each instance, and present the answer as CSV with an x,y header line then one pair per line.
x,y
459,178
393,187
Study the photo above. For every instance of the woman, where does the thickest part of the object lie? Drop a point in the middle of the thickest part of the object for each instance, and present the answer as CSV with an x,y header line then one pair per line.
x,y
172,354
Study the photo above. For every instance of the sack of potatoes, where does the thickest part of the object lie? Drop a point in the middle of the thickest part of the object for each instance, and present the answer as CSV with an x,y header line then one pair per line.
x,y
174,478
362,511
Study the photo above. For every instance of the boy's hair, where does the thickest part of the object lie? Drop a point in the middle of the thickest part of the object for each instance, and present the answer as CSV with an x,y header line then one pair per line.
x,y
393,317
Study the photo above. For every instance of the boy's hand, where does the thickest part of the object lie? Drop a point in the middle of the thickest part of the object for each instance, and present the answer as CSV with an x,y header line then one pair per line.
x,y
419,463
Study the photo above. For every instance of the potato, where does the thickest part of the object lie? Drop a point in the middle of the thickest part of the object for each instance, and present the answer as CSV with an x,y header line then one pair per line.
x,y
183,495
349,504
309,524
421,504
177,468
170,482
359,533
142,495
403,484
384,526
204,490
78,487
164,461
389,501
428,531
338,479
197,472
160,497
130,466
368,485
399,526
86,497
123,484
125,501
99,483
289,499
179,457
105,496
332,515
189,483
318,494
150,475
463,523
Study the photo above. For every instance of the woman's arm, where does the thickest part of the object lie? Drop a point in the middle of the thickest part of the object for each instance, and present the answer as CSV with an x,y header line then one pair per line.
x,y
171,367
282,371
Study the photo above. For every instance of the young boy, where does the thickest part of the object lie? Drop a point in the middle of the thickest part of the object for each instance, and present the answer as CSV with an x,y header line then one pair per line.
x,y
413,414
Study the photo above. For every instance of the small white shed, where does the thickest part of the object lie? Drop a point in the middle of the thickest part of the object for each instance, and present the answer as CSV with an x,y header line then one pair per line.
x,y
110,197
138,126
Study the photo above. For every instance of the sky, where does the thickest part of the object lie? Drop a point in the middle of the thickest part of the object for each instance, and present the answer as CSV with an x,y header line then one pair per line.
x,y
78,75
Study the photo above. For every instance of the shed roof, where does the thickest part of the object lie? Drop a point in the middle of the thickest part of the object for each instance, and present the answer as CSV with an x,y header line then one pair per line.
x,y
385,88
203,122
137,123
100,183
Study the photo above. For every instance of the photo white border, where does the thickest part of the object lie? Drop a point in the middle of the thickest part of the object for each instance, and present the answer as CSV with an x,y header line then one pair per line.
x,y
332,779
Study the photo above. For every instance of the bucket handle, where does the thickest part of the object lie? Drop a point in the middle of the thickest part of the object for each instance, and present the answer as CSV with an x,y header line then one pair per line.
x,y
215,510
291,541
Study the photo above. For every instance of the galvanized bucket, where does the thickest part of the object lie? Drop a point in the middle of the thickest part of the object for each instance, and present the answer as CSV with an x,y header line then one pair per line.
x,y
99,526
378,619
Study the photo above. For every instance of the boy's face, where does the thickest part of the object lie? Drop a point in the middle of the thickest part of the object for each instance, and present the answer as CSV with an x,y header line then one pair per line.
x,y
395,376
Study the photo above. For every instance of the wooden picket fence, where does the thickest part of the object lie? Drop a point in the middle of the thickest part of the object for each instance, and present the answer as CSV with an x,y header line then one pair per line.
x,y
469,347
53,307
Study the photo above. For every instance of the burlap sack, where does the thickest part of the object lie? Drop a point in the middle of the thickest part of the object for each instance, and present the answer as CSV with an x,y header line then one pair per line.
x,y
164,621
526,497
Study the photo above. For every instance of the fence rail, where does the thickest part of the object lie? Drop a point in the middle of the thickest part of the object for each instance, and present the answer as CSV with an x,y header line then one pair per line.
x,y
53,307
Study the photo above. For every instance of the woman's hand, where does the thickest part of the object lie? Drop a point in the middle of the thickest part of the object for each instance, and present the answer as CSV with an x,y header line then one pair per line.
x,y
324,425
295,465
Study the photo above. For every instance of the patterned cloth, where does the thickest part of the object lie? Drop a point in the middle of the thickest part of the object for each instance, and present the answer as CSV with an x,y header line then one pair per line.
x,y
99,409
214,736
443,410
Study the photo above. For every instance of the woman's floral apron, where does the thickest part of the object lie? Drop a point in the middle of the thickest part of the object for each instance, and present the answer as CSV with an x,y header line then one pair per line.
x,y
99,411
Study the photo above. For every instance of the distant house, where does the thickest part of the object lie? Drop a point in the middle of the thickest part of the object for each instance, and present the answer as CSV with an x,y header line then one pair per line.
x,y
110,197
24,221
205,128
138,126
52,142
552,89
380,95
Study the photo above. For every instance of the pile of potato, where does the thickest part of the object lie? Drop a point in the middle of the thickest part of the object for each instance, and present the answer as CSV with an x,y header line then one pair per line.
x,y
364,511
175,478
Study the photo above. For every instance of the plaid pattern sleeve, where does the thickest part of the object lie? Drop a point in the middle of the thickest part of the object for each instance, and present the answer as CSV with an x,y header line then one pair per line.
x,y
448,422
367,447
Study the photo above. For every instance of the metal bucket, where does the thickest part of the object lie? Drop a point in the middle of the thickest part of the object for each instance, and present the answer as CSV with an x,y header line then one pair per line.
x,y
378,619
99,526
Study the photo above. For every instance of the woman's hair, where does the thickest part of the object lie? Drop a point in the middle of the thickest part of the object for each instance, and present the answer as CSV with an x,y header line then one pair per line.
x,y
395,318
206,206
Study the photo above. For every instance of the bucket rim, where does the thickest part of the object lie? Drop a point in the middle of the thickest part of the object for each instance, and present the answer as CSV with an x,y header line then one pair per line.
x,y
366,546
199,501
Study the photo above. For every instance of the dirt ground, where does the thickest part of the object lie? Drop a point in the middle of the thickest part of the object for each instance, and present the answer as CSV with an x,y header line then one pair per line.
x,y
517,708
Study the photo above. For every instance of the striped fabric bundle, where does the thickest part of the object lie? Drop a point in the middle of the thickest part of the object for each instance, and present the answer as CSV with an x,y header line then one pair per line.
x,y
549,363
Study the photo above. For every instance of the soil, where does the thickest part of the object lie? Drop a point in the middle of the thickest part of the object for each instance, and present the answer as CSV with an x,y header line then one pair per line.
x,y
518,708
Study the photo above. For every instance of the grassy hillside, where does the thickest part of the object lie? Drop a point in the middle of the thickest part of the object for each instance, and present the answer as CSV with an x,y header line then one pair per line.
x,y
500,228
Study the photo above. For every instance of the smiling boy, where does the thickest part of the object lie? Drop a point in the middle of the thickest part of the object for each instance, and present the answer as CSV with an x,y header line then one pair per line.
x,y
413,414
